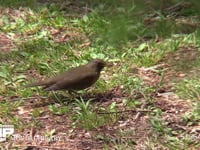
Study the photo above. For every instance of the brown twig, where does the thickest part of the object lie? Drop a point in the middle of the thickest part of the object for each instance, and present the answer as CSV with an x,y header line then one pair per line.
x,y
123,111
40,147
28,98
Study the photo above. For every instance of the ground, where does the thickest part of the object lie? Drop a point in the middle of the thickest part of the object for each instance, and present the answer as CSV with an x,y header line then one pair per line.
x,y
148,97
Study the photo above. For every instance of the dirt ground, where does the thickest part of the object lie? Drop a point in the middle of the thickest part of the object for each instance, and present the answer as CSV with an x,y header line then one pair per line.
x,y
136,125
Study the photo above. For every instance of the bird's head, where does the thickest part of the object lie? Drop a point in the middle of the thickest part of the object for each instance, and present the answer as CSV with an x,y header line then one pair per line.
x,y
97,64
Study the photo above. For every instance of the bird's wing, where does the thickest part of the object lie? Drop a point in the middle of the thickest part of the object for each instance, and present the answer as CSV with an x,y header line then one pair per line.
x,y
69,73
77,81
53,80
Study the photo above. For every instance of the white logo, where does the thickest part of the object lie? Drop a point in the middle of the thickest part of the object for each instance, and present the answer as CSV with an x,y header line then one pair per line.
x,y
5,130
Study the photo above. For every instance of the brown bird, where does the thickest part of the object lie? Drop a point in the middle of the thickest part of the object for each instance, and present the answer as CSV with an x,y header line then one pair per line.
x,y
75,78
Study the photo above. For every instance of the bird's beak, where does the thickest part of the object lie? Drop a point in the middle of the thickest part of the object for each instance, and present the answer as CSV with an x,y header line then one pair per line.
x,y
108,64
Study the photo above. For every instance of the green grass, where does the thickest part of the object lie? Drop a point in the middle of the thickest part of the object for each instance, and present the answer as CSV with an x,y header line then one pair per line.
x,y
48,41
189,89
18,3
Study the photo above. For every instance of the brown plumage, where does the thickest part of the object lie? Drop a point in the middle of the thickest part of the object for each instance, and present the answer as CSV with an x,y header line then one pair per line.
x,y
75,78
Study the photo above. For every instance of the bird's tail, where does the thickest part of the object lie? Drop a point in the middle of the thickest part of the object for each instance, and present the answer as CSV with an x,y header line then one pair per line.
x,y
40,83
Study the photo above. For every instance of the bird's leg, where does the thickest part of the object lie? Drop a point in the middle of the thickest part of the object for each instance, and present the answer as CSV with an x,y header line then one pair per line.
x,y
73,92
57,98
70,95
